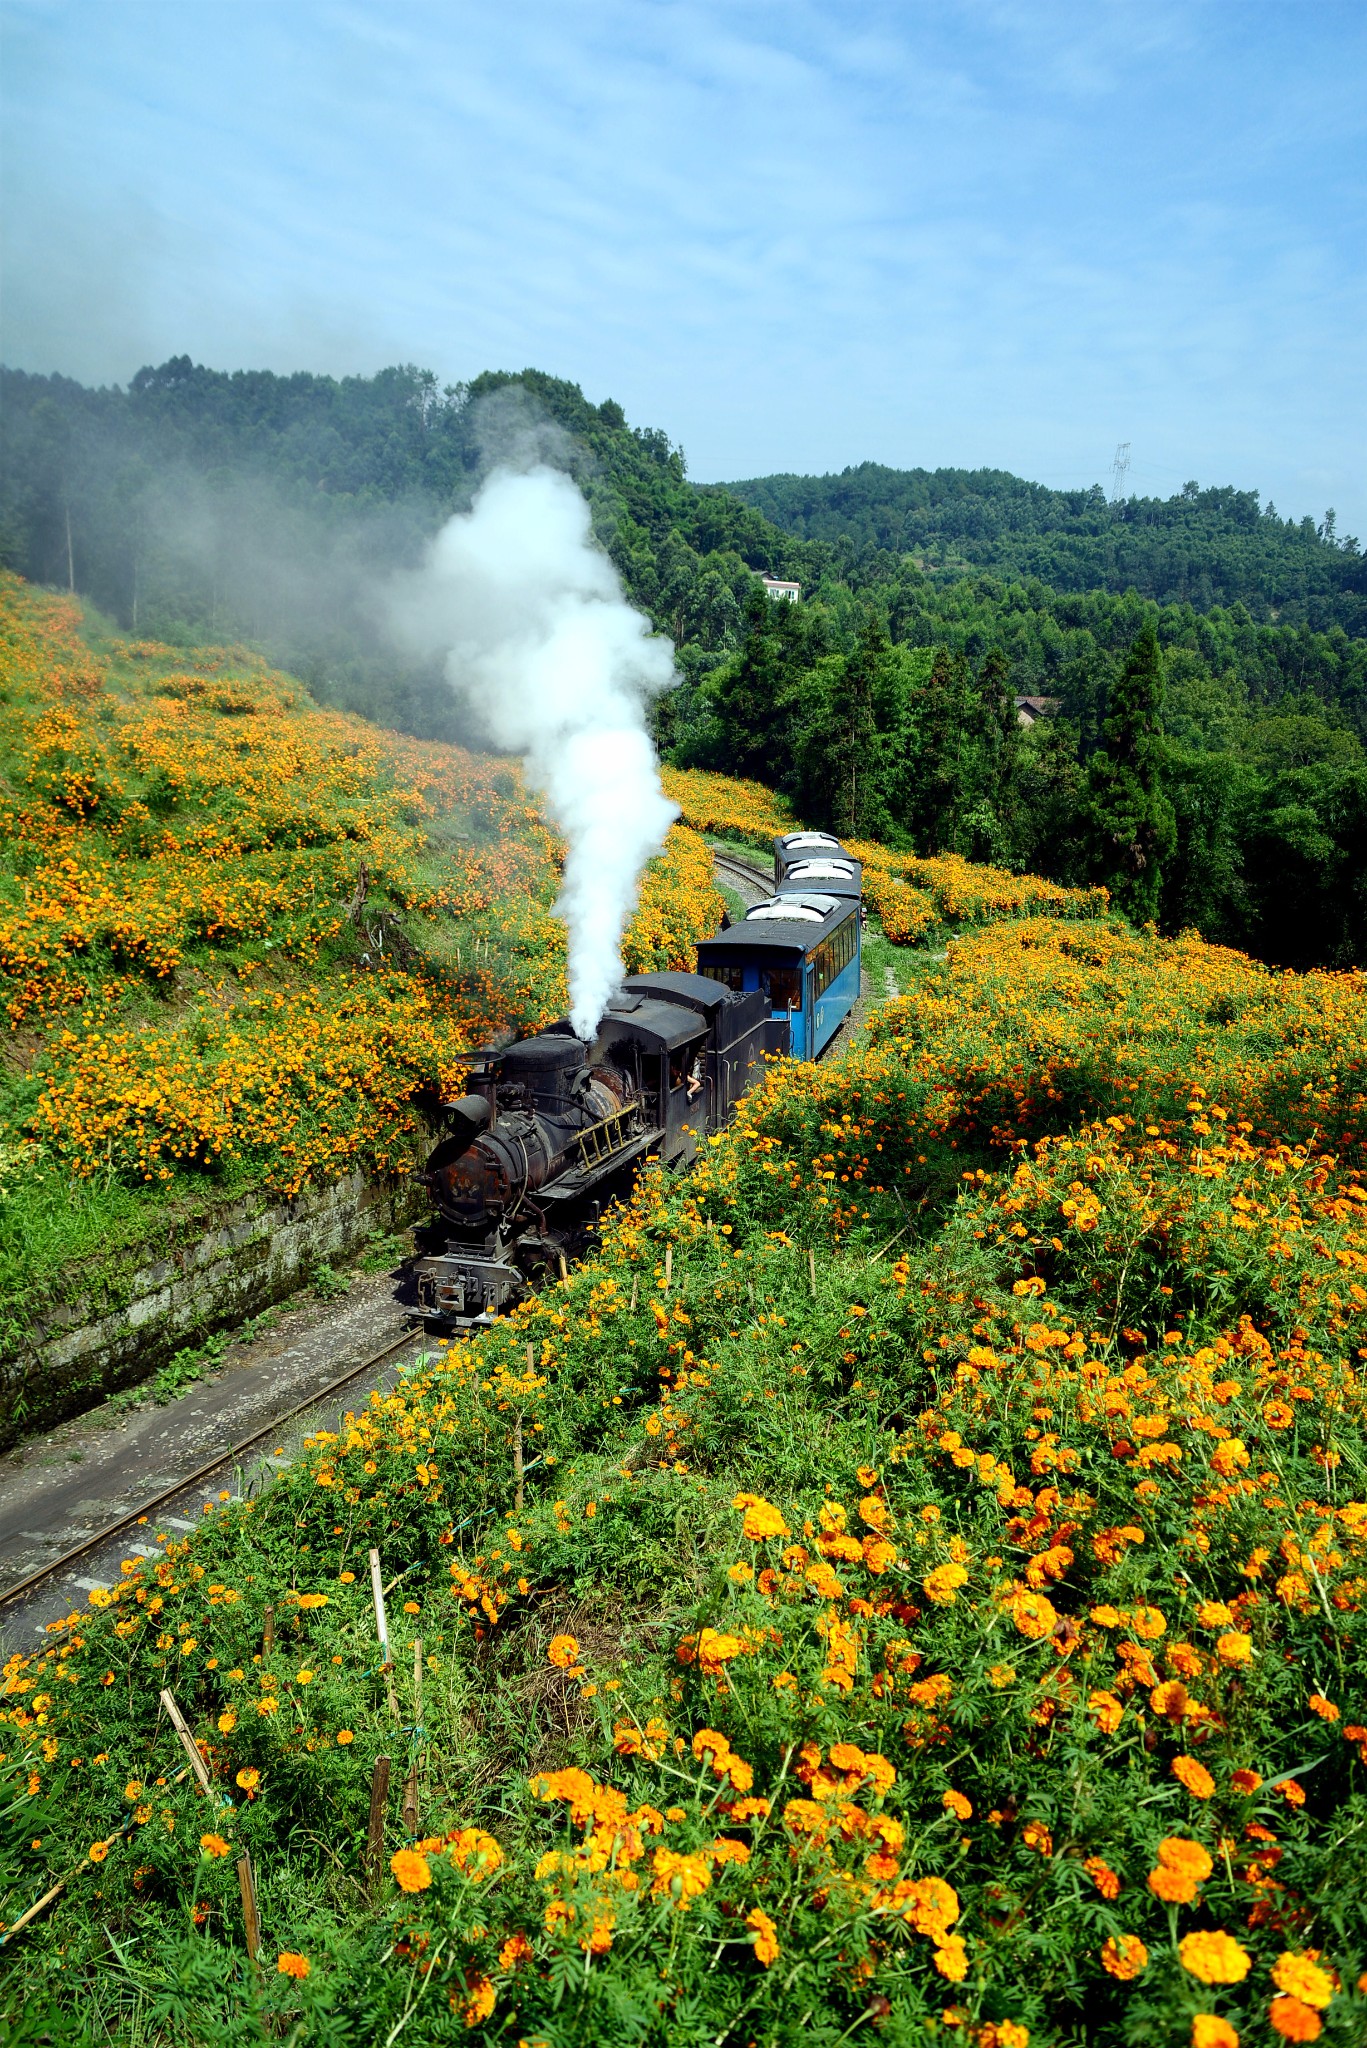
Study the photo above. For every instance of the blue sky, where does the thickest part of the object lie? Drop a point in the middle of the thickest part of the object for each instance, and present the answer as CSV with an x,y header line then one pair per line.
x,y
1006,232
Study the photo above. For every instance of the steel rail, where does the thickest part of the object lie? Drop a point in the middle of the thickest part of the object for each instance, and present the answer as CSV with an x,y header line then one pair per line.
x,y
193,1479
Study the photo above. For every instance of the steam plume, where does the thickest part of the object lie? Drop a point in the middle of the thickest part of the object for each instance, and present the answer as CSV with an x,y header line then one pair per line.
x,y
540,641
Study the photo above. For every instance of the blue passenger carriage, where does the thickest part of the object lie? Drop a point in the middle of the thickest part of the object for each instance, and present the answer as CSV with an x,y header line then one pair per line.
x,y
801,948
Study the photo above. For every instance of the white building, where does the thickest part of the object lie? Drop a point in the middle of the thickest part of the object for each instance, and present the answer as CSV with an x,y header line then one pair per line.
x,y
783,592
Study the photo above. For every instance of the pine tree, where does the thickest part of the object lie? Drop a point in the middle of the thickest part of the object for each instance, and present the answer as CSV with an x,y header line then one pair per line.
x,y
1127,817
851,759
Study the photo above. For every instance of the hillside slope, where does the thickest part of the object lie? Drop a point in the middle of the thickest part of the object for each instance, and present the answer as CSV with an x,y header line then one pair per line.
x,y
932,1607
1202,547
244,940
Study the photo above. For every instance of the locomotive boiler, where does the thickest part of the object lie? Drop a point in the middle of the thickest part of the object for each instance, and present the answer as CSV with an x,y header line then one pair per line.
x,y
553,1129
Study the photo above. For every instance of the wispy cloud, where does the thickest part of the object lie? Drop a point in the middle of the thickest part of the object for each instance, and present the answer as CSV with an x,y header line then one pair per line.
x,y
796,235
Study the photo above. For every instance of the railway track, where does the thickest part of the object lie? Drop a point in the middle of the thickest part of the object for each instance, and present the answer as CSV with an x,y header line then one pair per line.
x,y
93,1563
48,1594
752,885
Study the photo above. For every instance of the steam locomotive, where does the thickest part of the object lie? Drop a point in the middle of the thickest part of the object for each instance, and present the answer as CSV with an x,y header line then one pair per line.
x,y
554,1127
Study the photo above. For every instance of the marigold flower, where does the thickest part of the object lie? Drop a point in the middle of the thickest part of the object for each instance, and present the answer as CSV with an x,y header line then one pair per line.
x,y
227,1721
1300,1976
562,1651
1194,1776
762,1518
1124,1956
1033,1615
412,1872
1214,1614
951,1958
516,1949
1171,1699
133,1789
1234,1649
1208,2030
344,1736
942,1585
290,1965
1102,1876
958,1805
766,1946
214,1845
1290,1791
1326,1709
1245,1782
1214,1956
1036,1836
479,2000
98,1851
1107,1709
1293,2019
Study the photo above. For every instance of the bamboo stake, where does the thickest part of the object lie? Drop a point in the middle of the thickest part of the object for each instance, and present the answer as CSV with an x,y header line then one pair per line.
x,y
564,1269
379,1800
187,1740
382,1631
268,1631
410,1799
633,1290
517,1464
669,1267
251,1919
811,1268
531,1358
34,1910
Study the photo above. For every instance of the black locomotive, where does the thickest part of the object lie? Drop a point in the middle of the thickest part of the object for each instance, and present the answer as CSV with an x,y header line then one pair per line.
x,y
554,1128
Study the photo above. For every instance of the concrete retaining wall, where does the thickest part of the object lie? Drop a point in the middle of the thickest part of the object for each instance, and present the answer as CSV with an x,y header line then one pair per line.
x,y
255,1252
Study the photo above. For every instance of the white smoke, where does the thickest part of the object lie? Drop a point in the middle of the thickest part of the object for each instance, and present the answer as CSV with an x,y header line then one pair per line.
x,y
540,641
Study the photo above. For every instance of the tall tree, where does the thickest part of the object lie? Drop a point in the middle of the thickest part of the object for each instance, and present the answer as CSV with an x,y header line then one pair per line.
x,y
1127,816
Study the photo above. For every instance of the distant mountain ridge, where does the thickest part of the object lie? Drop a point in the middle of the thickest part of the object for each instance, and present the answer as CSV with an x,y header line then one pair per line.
x,y
1202,547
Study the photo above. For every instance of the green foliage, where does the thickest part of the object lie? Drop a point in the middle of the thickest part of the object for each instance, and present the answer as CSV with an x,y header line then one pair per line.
x,y
1127,815
1201,547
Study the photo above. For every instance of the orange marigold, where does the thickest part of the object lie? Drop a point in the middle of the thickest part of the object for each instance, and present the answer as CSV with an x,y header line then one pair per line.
x,y
1214,1956
412,1872
1033,1615
766,1936
1102,1876
1302,1977
1124,1956
562,1651
1194,1776
290,1965
762,1518
1208,2030
958,1805
1293,2020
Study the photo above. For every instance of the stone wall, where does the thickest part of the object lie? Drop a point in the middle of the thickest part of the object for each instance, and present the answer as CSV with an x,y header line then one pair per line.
x,y
254,1252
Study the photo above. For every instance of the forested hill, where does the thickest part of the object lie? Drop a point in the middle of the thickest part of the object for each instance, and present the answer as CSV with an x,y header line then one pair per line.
x,y
1202,547
1206,760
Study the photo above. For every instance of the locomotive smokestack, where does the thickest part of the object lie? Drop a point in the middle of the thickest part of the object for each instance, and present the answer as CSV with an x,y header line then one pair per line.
x,y
539,639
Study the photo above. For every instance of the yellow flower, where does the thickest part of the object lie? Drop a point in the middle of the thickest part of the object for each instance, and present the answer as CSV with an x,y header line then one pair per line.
x,y
563,1651
1214,1956
958,1805
1234,1649
227,1721
1301,1977
762,1518
344,1736
291,1965
1208,2030
98,1851
303,1678
942,1585
214,1845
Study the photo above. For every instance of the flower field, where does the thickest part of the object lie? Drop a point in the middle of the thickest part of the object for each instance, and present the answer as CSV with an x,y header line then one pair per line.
x,y
909,1587
243,937
914,898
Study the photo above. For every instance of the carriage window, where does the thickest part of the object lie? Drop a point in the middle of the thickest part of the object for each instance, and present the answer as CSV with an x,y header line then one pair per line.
x,y
729,977
783,986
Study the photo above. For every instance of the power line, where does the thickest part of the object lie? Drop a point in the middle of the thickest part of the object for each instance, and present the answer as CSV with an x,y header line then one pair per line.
x,y
1119,466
